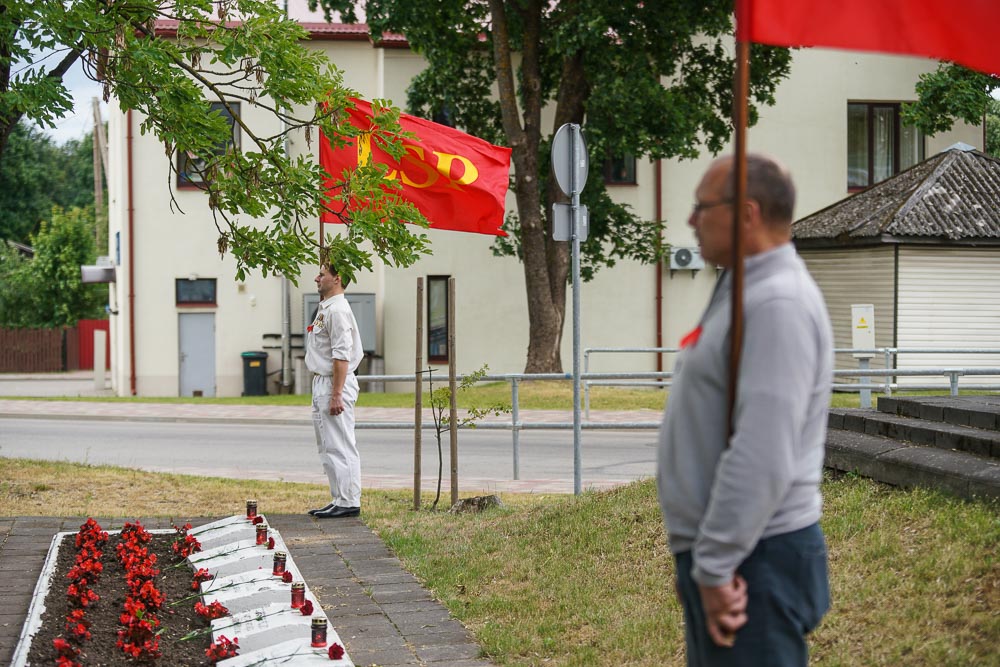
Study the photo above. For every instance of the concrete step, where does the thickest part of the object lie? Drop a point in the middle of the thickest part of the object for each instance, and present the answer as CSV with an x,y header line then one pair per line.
x,y
904,464
981,412
942,435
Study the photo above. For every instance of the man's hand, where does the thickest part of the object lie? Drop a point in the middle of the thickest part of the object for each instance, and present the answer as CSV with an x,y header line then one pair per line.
x,y
725,609
336,404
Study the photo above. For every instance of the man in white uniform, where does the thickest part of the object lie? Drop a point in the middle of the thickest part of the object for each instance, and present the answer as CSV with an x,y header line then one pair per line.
x,y
333,352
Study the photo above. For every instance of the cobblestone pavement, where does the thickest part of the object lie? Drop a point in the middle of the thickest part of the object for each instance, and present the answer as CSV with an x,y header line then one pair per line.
x,y
381,612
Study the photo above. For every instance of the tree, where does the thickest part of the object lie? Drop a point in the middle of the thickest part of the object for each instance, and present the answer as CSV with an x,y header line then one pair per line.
x,y
227,51
36,174
951,93
650,79
45,291
993,127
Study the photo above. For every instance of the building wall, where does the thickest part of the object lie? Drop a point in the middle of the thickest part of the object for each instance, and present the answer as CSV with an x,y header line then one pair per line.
x,y
949,298
856,276
807,130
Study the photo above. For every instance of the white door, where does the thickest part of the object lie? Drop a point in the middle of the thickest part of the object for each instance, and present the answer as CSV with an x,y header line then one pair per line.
x,y
197,354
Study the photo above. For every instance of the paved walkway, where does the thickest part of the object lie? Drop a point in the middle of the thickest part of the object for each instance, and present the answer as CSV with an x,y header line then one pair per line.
x,y
380,610
274,414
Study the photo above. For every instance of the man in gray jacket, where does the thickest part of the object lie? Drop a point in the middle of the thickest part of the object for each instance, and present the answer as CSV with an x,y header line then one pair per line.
x,y
742,509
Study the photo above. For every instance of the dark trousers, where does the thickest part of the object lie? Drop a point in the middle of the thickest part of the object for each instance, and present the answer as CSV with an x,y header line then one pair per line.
x,y
788,591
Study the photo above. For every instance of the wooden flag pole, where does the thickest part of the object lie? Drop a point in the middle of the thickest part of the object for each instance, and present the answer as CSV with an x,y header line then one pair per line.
x,y
740,95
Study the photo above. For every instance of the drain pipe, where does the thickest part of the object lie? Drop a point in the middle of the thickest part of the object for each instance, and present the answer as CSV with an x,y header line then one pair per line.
x,y
131,258
286,301
658,214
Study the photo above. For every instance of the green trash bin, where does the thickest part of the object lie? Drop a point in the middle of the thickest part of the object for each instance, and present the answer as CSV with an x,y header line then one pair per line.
x,y
254,373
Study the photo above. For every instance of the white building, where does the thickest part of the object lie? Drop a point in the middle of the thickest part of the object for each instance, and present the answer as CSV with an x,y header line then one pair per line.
x,y
181,320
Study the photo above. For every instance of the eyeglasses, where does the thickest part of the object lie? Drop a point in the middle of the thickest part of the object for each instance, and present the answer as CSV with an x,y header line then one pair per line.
x,y
702,206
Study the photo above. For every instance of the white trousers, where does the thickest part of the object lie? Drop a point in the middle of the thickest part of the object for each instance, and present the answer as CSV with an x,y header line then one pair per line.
x,y
338,450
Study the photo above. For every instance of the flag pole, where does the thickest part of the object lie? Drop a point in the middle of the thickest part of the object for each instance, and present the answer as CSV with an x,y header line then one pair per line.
x,y
740,102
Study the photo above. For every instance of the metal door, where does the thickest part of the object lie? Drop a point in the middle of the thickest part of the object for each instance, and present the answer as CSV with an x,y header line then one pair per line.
x,y
196,344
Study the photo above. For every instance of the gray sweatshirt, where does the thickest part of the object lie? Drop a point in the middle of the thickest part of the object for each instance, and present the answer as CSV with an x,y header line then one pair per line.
x,y
720,502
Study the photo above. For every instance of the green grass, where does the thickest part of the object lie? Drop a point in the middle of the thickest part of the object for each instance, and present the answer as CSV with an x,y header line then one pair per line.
x,y
540,395
588,581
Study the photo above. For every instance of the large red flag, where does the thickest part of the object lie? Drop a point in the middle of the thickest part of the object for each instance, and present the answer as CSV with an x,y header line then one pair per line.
x,y
957,30
457,181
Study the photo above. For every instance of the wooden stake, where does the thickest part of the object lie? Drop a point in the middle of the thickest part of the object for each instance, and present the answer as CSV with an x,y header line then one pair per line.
x,y
418,395
453,387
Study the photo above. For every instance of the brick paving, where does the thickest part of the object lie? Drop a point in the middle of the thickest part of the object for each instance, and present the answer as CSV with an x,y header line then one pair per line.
x,y
381,612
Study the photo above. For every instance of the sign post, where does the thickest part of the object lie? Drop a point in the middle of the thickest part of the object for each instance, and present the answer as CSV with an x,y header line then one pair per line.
x,y
571,164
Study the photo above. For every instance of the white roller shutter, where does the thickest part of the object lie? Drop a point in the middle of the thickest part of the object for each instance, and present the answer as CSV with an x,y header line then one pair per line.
x,y
850,276
949,298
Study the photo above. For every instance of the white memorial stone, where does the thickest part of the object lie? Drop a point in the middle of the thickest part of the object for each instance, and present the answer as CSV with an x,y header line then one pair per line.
x,y
292,652
264,626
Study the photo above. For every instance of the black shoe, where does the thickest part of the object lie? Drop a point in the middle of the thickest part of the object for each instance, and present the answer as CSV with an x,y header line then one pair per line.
x,y
337,512
322,509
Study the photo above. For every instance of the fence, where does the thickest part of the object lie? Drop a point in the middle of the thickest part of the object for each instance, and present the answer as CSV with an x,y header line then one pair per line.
x,y
52,350
36,350
658,378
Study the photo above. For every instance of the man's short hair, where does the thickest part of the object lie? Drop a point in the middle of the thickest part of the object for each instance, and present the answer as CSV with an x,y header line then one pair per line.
x,y
344,280
770,185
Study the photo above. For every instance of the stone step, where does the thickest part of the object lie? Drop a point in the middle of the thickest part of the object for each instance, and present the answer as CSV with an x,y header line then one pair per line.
x,y
981,412
904,464
918,431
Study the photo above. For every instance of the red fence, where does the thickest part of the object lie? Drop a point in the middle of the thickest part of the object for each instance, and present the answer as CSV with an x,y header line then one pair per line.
x,y
51,350
86,329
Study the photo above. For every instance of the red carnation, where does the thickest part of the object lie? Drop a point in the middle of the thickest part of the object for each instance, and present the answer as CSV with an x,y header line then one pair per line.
x,y
258,519
307,608
336,651
270,543
287,577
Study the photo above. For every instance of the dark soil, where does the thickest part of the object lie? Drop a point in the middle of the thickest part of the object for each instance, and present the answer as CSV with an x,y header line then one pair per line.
x,y
175,621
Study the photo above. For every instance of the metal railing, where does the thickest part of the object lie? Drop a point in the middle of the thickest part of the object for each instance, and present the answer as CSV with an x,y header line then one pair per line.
x,y
863,387
661,379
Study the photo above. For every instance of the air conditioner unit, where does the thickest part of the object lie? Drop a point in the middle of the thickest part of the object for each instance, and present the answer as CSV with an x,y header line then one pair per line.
x,y
686,259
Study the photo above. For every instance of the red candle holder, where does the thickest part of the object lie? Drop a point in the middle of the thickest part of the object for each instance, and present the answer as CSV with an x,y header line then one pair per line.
x,y
319,632
280,558
261,533
251,509
298,594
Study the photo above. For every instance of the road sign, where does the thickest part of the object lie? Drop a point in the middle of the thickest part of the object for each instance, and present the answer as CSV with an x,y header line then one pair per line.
x,y
569,159
562,222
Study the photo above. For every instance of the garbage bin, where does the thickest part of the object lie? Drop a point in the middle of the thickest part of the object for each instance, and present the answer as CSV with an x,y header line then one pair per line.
x,y
254,373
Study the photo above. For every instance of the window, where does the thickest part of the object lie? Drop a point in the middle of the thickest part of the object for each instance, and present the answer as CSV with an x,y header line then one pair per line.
x,y
878,144
437,318
189,170
620,170
195,291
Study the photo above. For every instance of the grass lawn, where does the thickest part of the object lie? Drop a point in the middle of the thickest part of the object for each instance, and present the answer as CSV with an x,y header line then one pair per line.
x,y
541,395
563,580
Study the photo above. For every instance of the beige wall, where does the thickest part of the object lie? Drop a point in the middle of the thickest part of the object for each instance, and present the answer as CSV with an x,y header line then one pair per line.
x,y
807,129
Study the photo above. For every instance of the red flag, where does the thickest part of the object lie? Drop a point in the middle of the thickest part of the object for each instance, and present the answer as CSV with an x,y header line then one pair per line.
x,y
957,30
457,181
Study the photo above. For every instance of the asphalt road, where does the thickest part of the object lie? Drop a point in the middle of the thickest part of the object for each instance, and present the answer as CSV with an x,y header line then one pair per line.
x,y
288,452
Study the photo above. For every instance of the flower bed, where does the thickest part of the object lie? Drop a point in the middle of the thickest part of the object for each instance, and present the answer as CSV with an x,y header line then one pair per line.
x,y
102,609
134,599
